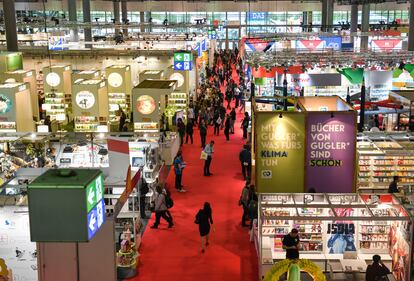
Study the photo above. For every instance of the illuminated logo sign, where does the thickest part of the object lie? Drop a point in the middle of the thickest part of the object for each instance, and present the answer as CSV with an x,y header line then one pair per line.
x,y
53,79
85,99
145,104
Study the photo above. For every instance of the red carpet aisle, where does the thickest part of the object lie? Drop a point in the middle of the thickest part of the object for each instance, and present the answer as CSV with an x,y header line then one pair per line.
x,y
174,254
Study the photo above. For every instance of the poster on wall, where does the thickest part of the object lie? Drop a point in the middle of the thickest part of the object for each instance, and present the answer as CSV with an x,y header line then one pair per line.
x,y
341,233
400,250
16,248
280,153
330,152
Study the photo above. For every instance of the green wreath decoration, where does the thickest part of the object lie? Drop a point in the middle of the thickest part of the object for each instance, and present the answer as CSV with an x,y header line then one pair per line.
x,y
306,265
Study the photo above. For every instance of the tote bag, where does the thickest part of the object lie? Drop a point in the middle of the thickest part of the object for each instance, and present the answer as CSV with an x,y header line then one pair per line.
x,y
203,155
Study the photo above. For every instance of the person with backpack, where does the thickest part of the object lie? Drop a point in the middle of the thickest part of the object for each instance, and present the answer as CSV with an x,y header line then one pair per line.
x,y
204,219
244,202
178,170
160,207
169,203
143,190
252,208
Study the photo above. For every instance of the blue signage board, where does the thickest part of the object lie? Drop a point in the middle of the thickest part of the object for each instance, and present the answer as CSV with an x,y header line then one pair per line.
x,y
257,16
334,42
183,60
96,218
204,45
212,34
198,49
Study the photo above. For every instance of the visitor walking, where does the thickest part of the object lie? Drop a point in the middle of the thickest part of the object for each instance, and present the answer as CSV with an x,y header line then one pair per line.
x,y
252,208
178,170
143,190
245,124
181,130
209,150
160,207
227,127
245,158
217,123
203,132
244,202
232,120
189,130
204,219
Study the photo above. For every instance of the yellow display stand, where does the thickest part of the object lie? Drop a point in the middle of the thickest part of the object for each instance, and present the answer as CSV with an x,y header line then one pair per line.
x,y
283,266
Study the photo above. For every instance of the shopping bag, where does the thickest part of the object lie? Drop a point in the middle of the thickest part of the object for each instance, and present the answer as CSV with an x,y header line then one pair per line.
x,y
203,155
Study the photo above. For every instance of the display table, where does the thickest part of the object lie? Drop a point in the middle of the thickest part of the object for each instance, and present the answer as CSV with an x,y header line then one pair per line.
x,y
353,265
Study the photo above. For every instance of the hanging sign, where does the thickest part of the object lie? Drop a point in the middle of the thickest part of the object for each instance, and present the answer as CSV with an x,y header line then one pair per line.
x,y
379,84
310,45
330,152
386,45
183,61
212,34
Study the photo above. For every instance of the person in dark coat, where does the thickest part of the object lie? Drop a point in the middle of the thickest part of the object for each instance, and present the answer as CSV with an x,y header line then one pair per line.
x,y
227,127
122,119
181,130
245,158
204,219
245,124
232,120
376,271
203,132
189,130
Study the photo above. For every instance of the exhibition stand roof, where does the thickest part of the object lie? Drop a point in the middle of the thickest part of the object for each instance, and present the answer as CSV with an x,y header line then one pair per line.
x,y
334,202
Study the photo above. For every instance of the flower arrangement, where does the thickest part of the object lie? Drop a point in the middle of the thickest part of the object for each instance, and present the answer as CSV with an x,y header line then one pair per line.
x,y
306,265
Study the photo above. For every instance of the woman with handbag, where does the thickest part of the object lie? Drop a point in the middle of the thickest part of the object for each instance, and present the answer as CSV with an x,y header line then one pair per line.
x,y
204,218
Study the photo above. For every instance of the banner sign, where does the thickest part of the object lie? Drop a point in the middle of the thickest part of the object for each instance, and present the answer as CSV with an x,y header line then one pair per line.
x,y
386,45
330,152
320,80
310,45
256,16
320,43
379,84
280,141
257,45
333,42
